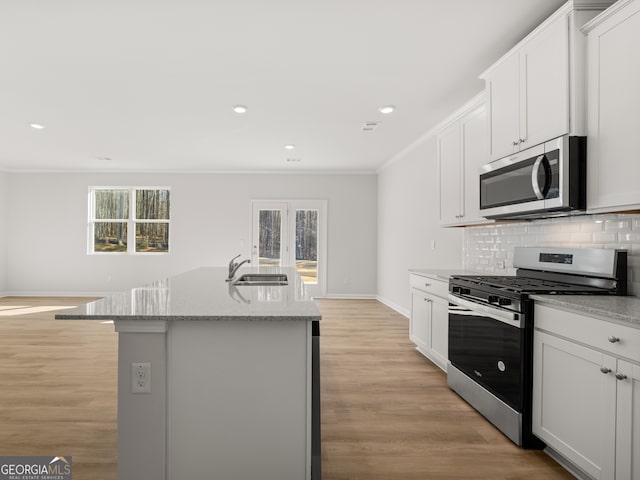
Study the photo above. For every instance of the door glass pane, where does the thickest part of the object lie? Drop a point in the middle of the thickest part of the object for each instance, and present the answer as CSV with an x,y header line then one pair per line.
x,y
307,245
269,249
110,237
508,185
152,237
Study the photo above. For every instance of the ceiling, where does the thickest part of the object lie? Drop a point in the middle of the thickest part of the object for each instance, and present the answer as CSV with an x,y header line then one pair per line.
x,y
137,85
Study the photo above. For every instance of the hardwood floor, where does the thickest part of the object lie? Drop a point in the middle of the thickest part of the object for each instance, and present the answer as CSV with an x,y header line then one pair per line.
x,y
386,410
58,386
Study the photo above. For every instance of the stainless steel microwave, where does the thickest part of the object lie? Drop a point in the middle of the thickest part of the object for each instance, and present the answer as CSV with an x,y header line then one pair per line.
x,y
546,180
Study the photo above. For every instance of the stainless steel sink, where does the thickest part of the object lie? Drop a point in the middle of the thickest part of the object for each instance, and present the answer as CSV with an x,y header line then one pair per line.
x,y
261,279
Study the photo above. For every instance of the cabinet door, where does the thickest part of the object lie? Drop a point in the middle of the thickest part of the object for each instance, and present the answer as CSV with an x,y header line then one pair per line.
x,y
439,334
574,403
503,89
420,320
450,166
628,422
475,153
613,120
544,87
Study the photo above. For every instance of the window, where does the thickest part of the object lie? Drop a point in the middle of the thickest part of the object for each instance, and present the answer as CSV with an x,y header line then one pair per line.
x,y
129,219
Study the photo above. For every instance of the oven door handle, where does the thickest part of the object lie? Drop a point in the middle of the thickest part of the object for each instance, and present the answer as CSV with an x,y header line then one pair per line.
x,y
510,318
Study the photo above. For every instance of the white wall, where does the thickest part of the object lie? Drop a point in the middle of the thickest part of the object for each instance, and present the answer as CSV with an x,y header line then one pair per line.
x,y
3,232
408,223
210,222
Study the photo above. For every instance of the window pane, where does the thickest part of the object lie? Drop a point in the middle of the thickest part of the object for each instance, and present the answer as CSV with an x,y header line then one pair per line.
x,y
111,204
307,245
269,249
152,204
152,237
110,237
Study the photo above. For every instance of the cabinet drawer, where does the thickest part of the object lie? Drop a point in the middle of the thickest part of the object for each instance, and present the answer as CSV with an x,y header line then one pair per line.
x,y
619,340
429,285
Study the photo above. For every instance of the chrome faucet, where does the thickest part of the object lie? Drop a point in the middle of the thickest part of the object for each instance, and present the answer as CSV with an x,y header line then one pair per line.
x,y
234,266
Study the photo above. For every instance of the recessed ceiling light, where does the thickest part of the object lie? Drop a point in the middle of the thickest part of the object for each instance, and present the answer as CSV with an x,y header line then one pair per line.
x,y
37,126
240,109
387,109
290,146
294,160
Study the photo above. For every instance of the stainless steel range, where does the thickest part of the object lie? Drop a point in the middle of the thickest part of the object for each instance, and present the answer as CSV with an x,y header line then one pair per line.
x,y
491,327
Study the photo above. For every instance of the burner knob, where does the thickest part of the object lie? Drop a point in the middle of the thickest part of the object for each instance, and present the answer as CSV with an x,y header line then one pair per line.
x,y
493,299
504,301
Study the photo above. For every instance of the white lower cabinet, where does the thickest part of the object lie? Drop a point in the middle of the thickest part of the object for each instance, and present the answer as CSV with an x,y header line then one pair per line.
x,y
586,398
429,321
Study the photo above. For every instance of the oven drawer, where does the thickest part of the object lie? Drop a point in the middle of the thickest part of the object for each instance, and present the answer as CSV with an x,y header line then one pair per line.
x,y
429,285
619,340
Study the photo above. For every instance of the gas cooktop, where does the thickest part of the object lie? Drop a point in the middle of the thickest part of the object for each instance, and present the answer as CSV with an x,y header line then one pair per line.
x,y
519,284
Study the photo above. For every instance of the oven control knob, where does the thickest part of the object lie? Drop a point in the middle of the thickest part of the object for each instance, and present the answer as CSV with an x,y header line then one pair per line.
x,y
504,301
493,299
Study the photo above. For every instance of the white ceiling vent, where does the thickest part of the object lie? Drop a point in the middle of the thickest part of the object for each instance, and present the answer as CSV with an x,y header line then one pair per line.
x,y
370,126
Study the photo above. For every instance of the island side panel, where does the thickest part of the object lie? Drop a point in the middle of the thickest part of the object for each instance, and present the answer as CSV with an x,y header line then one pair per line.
x,y
142,416
239,399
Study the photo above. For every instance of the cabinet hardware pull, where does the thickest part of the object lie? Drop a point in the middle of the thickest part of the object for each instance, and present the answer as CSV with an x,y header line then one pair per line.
x,y
605,370
514,143
613,339
427,284
620,376
522,140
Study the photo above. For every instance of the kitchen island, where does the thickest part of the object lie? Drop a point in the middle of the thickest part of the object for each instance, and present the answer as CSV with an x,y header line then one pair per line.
x,y
215,380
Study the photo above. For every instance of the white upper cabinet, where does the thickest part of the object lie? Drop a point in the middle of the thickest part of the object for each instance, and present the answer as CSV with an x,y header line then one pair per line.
x,y
462,150
475,153
450,163
536,91
613,164
503,100
544,85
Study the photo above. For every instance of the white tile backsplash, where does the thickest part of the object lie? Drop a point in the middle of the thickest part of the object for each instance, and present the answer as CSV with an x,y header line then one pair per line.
x,y
489,247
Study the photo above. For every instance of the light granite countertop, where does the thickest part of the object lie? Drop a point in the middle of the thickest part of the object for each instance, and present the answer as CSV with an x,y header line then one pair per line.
x,y
203,294
442,274
622,310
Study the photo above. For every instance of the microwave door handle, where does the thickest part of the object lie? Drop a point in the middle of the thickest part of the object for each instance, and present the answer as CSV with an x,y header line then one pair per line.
x,y
534,178
543,161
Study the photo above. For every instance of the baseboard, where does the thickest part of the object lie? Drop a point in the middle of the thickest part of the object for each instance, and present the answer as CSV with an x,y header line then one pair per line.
x,y
402,311
348,296
59,294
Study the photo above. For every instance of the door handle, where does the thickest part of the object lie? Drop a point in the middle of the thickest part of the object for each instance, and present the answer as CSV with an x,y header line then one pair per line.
x,y
540,161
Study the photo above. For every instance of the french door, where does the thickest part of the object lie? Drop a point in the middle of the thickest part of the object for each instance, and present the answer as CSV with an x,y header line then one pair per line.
x,y
292,233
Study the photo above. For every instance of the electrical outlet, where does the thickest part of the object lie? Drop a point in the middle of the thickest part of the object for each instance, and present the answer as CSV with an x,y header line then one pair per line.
x,y
140,378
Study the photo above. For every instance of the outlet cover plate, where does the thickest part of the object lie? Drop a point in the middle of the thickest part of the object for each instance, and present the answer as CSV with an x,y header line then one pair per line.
x,y
140,377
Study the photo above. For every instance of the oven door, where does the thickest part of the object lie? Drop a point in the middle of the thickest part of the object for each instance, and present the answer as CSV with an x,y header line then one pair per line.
x,y
486,344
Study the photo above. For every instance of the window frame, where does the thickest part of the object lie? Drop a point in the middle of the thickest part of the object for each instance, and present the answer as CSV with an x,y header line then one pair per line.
x,y
131,221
